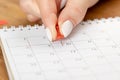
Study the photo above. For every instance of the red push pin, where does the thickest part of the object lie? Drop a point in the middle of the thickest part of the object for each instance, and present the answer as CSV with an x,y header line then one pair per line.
x,y
3,22
59,35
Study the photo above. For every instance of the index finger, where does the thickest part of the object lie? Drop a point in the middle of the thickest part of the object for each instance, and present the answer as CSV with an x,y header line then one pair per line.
x,y
48,9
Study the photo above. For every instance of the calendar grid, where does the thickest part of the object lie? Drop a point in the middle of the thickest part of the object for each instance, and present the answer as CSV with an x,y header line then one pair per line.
x,y
36,59
116,45
82,57
68,44
91,52
12,58
60,58
64,43
102,53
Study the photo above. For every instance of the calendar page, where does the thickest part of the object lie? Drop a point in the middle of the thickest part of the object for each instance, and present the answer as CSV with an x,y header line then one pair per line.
x,y
91,52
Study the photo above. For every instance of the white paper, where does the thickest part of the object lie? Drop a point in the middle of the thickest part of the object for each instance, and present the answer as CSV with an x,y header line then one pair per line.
x,y
91,52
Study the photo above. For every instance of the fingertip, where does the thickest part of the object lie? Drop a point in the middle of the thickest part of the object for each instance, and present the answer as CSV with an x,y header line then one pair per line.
x,y
69,18
73,11
32,18
63,3
51,33
66,28
50,21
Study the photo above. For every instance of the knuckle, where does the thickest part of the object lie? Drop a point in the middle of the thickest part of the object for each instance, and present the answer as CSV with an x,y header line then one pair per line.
x,y
76,15
78,10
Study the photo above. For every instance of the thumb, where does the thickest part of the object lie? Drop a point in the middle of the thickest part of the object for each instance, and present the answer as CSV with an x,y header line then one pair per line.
x,y
72,14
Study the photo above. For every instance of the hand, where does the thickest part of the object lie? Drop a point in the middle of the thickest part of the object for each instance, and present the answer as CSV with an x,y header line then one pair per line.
x,y
66,13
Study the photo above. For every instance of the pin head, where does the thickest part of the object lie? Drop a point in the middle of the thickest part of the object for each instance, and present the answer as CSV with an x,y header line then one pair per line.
x,y
59,35
3,22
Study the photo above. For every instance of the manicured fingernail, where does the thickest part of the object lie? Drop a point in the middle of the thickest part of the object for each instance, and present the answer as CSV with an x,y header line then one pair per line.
x,y
49,34
66,28
63,2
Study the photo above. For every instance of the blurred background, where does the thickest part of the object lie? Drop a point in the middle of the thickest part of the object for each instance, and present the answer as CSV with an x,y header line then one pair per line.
x,y
11,11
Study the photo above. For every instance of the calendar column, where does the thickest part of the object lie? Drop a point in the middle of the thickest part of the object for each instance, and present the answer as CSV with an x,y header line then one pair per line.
x,y
24,59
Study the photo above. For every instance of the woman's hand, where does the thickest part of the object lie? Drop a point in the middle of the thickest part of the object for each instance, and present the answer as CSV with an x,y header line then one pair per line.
x,y
64,13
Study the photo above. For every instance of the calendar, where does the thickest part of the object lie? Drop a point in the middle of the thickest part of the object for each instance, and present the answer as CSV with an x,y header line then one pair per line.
x,y
91,52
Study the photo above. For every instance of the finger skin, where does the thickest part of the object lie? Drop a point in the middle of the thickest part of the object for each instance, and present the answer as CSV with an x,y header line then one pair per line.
x,y
31,9
48,9
32,18
73,14
75,11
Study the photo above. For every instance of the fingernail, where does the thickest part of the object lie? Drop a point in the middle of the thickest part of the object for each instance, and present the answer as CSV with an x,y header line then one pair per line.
x,y
49,34
63,2
66,28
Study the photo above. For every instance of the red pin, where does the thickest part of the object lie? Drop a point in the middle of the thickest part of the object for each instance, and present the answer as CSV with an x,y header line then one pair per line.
x,y
3,22
59,35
